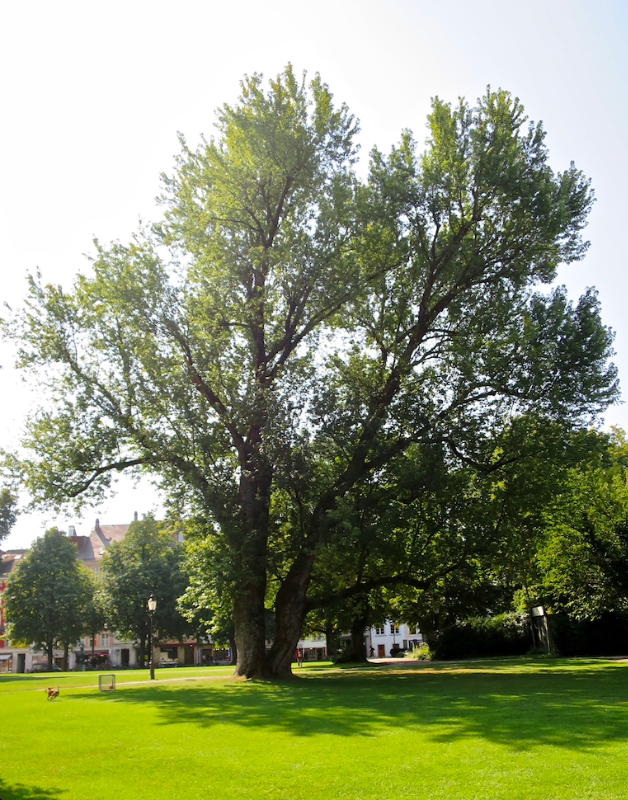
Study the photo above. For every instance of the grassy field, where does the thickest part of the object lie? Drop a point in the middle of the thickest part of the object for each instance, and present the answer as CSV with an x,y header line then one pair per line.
x,y
511,728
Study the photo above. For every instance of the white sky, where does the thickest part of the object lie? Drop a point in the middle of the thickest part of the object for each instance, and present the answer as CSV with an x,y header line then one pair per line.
x,y
92,95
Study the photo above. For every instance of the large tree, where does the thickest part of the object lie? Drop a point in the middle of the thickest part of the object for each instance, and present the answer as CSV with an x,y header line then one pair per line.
x,y
432,538
47,595
288,330
582,561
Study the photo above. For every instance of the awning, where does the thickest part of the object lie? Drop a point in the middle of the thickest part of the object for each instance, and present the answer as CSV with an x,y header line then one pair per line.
x,y
7,657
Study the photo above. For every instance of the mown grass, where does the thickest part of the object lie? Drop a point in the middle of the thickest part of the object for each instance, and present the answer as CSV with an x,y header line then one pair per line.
x,y
512,728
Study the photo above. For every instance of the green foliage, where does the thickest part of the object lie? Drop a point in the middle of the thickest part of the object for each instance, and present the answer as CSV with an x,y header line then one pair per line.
x,y
501,635
206,602
344,655
583,561
434,540
48,594
606,635
420,653
287,337
8,512
147,561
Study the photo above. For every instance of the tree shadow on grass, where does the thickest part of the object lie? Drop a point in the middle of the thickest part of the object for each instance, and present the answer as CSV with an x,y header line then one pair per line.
x,y
581,708
19,791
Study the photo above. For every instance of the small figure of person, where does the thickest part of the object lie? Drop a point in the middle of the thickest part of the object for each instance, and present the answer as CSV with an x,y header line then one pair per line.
x,y
300,657
372,651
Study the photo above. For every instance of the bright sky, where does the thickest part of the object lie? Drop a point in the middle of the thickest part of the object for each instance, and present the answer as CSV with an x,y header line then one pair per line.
x,y
93,94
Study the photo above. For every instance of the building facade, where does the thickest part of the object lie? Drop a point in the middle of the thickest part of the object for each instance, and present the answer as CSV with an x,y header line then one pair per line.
x,y
12,659
105,648
382,641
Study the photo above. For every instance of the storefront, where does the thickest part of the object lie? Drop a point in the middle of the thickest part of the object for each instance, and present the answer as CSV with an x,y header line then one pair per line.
x,y
314,653
177,655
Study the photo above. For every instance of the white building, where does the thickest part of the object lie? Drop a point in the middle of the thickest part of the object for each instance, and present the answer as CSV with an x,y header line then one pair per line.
x,y
381,639
314,649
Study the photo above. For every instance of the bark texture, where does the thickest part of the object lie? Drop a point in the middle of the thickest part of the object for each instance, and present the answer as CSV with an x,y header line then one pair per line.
x,y
250,631
249,544
290,610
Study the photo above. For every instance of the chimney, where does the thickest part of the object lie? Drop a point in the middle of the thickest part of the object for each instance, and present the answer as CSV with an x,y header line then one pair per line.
x,y
97,526
71,530
135,516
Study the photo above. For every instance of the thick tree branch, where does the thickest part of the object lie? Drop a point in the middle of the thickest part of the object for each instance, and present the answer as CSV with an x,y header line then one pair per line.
x,y
403,578
206,391
118,466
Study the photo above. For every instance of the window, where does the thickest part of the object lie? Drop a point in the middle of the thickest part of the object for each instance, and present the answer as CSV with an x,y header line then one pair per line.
x,y
104,640
379,630
411,629
394,628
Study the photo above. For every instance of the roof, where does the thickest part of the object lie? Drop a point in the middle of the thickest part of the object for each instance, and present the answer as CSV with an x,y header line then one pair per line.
x,y
9,559
88,548
92,547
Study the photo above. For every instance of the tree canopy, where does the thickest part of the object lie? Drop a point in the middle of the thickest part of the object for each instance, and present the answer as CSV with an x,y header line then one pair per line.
x,y
287,332
582,561
8,511
148,561
47,595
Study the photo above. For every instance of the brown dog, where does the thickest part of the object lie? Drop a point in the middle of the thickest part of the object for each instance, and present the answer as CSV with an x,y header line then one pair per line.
x,y
52,693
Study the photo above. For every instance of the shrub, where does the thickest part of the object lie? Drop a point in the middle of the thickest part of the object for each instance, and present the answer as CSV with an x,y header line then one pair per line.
x,y
420,653
501,635
343,655
605,636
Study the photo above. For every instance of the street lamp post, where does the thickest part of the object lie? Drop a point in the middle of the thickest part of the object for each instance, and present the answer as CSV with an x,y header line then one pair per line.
x,y
151,605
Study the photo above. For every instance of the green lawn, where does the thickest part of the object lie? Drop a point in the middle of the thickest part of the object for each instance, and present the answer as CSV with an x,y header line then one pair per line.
x,y
510,728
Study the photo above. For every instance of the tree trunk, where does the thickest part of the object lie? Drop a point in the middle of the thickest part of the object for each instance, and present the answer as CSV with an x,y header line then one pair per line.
x,y
332,639
49,653
250,630
532,630
290,610
358,648
249,545
66,650
142,651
